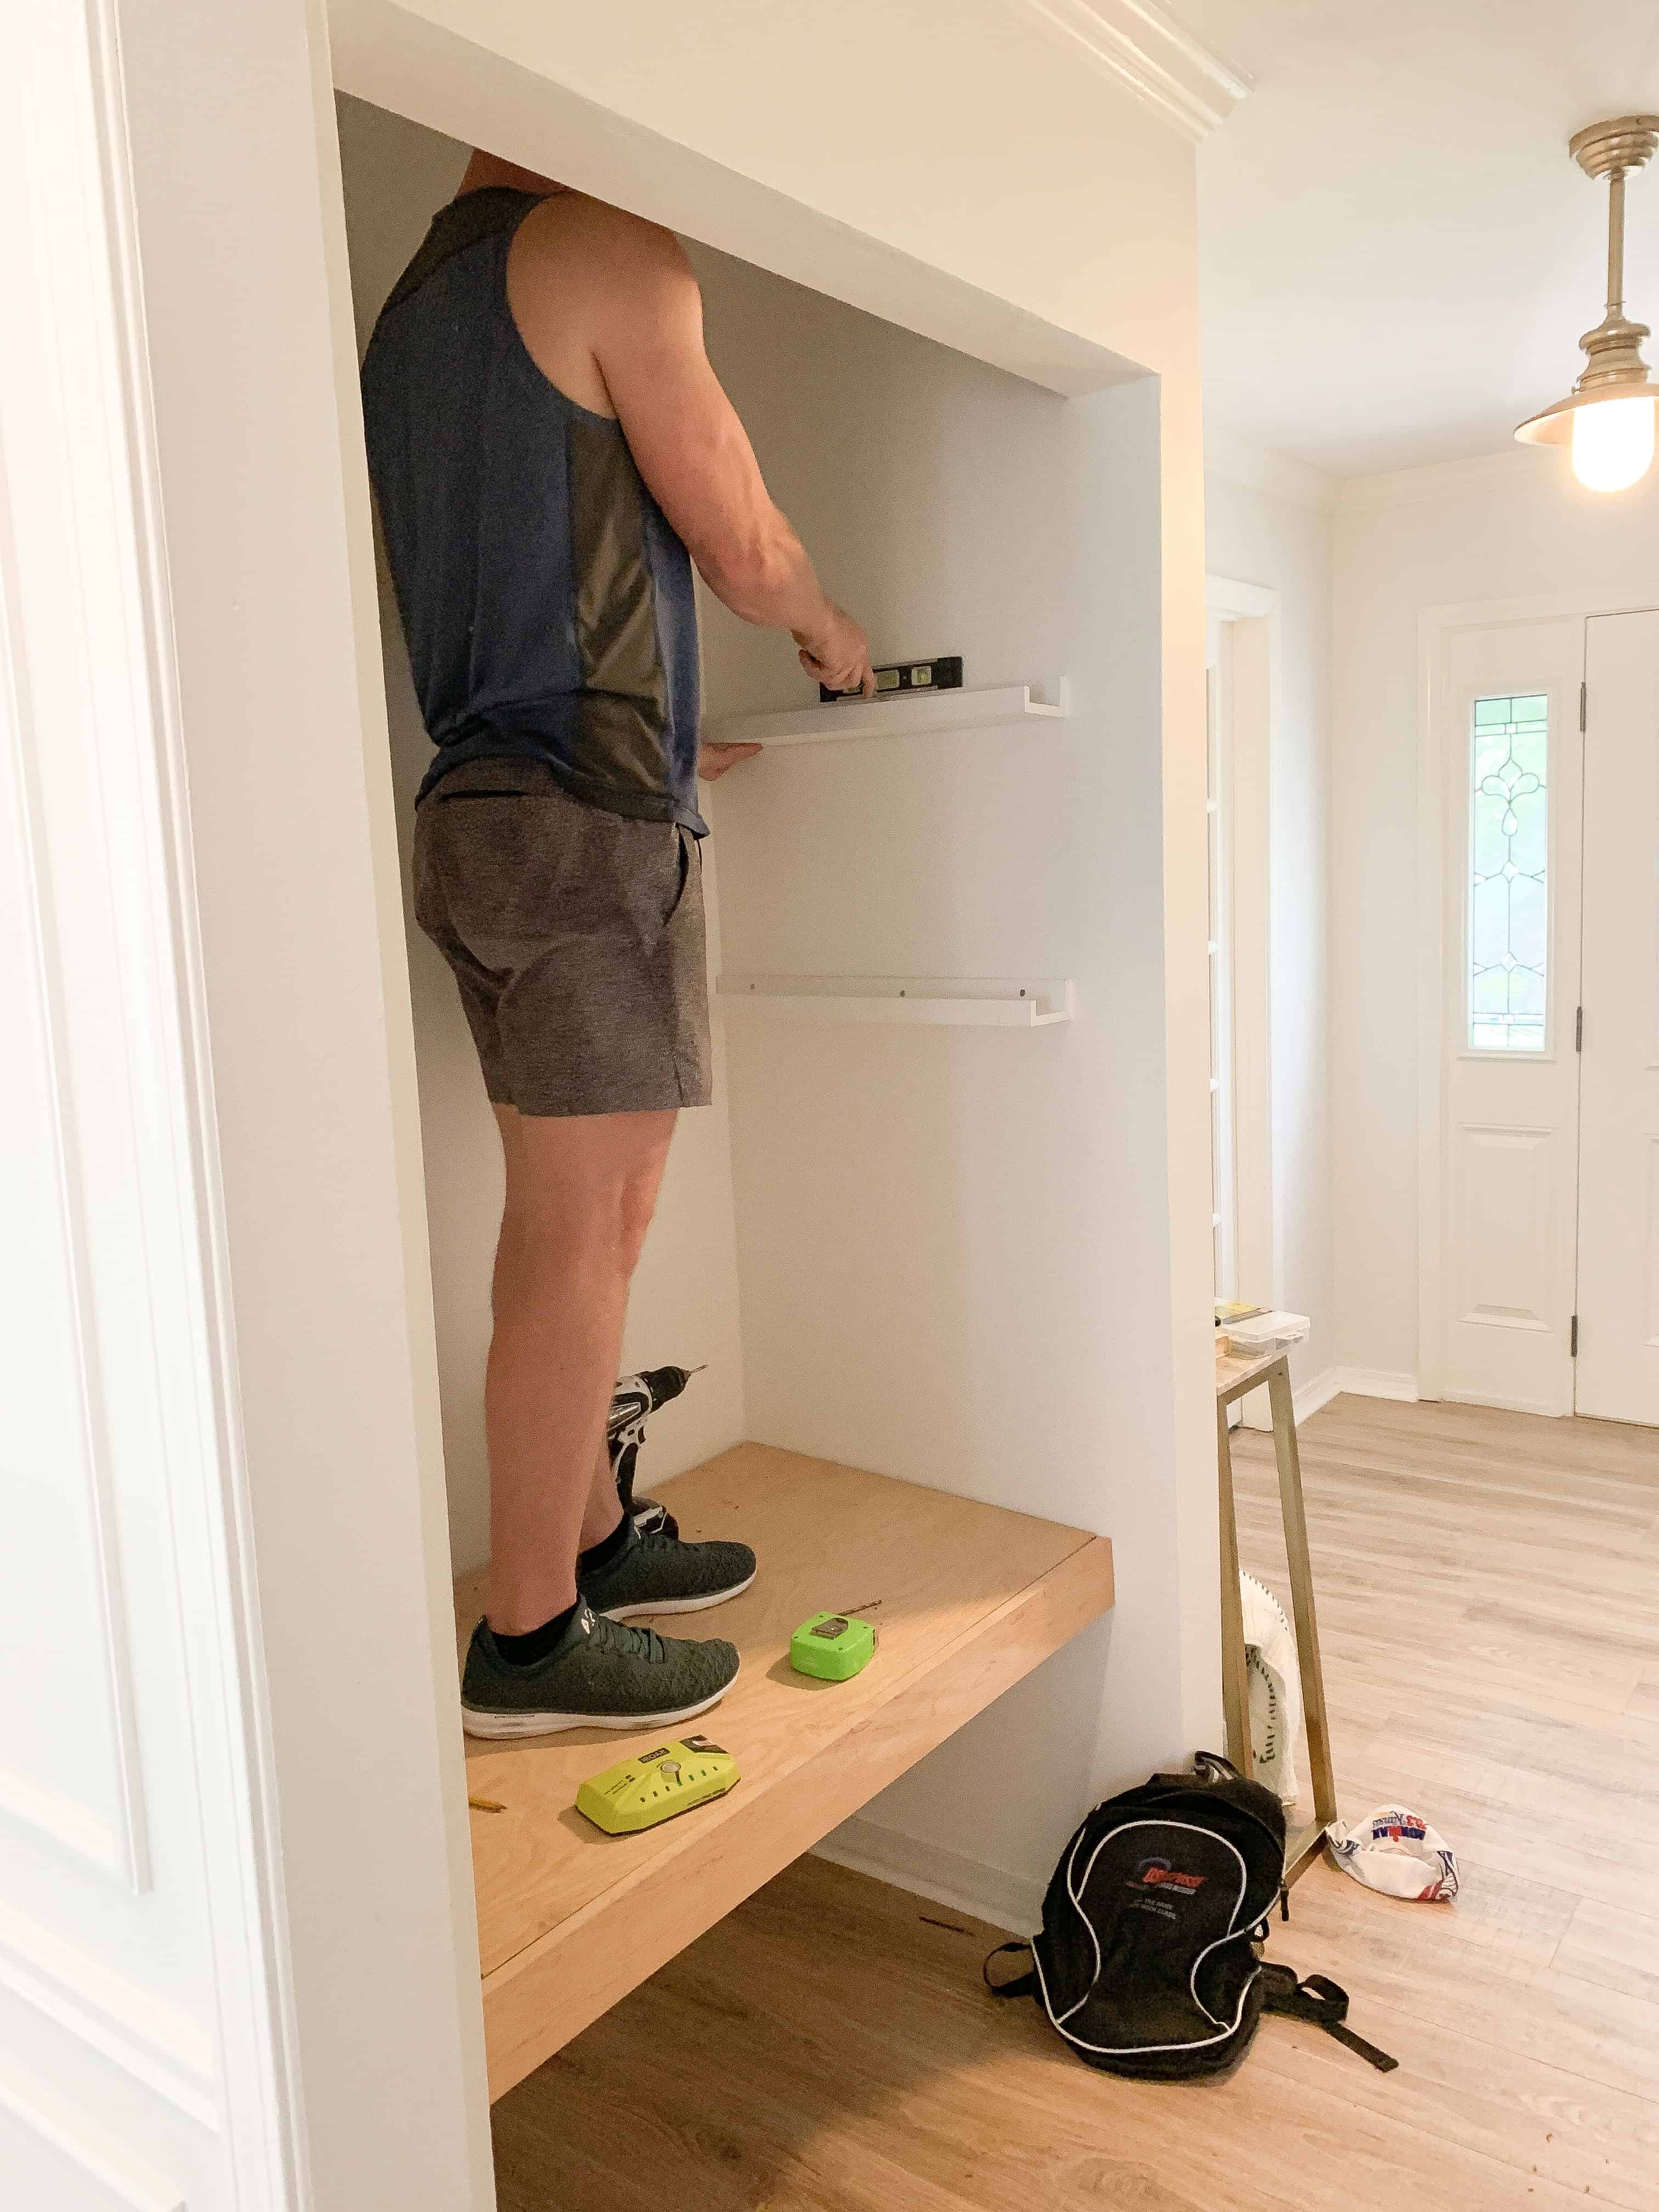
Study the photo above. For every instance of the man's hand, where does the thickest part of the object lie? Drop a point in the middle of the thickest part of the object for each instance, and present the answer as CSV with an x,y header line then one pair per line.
x,y
838,653
714,761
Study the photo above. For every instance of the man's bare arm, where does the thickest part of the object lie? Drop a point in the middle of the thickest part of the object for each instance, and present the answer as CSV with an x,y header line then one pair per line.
x,y
643,316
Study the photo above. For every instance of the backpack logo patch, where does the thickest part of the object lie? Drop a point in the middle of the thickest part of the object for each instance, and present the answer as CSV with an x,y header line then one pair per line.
x,y
1158,1874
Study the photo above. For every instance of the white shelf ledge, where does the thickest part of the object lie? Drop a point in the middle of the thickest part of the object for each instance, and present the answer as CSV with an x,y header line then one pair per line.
x,y
910,715
956,1001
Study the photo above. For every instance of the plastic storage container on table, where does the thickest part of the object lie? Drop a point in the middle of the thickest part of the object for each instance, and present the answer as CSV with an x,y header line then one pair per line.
x,y
1265,1333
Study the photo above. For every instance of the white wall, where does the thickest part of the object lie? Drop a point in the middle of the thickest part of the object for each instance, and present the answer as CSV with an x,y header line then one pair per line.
x,y
1514,526
1273,526
954,1244
685,1307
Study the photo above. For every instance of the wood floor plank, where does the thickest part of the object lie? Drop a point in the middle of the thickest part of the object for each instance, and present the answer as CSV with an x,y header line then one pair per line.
x,y
1472,1669
944,2098
1415,1959
1456,1680
1521,2111
1614,1811
1432,1520
1560,1619
1610,1751
1619,1949
1493,1835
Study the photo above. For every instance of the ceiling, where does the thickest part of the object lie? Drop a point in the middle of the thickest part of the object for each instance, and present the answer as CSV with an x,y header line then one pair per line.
x,y
1398,255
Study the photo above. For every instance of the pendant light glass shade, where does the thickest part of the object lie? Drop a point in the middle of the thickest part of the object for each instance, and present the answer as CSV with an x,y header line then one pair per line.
x,y
1609,417
1612,443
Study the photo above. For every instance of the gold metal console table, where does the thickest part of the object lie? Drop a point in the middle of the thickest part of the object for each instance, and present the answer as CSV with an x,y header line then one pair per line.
x,y
1234,1377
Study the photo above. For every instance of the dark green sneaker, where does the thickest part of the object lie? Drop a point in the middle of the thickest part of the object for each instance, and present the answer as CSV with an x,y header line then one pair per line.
x,y
601,1675
655,1572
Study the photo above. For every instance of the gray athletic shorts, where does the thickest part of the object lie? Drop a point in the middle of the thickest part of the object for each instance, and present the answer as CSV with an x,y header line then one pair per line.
x,y
576,937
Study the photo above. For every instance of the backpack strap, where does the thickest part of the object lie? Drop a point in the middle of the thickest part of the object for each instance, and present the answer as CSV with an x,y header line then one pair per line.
x,y
1322,2004
1211,1767
1022,1986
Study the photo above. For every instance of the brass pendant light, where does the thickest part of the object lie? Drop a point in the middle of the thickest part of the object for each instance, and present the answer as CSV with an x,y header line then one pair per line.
x,y
1607,419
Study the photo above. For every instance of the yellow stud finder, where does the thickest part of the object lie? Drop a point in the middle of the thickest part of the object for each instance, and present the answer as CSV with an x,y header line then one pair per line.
x,y
672,1778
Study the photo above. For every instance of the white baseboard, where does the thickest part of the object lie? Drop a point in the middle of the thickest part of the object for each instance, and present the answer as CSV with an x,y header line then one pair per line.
x,y
1541,1408
1320,1392
1307,1399
1377,1382
945,1877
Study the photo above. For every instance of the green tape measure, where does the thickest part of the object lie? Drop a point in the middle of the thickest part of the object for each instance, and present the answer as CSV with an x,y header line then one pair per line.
x,y
833,1646
673,1778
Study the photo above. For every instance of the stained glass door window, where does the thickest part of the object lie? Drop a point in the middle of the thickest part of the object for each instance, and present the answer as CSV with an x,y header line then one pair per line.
x,y
1508,873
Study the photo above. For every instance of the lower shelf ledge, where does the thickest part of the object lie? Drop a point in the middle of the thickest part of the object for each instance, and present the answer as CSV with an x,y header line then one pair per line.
x,y
936,1002
973,1598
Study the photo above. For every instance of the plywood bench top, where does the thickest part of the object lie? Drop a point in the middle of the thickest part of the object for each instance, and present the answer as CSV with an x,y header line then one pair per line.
x,y
972,1597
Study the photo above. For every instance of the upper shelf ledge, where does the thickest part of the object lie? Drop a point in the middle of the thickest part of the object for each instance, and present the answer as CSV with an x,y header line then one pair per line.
x,y
907,715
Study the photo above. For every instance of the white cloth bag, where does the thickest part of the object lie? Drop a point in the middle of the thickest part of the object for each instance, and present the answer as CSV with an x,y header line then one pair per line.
x,y
1395,1851
1275,1683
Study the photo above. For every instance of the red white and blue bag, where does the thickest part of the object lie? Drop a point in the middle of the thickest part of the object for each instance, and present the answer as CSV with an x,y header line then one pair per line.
x,y
1395,1851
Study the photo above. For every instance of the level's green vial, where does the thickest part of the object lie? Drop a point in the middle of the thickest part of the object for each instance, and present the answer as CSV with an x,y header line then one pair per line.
x,y
834,1646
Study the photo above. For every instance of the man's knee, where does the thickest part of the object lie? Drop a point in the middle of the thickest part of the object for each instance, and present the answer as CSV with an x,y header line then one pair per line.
x,y
596,1228
580,1197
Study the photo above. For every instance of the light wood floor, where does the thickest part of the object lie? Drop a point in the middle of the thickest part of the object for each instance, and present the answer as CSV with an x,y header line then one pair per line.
x,y
1486,1585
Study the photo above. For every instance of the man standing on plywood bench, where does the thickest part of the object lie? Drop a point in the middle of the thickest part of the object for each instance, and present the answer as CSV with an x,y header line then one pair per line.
x,y
551,451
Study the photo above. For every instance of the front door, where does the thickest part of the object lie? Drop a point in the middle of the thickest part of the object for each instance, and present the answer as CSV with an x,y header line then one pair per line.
x,y
1618,1300
1511,749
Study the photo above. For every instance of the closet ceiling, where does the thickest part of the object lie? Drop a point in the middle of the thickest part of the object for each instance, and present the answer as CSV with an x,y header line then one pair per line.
x,y
1398,255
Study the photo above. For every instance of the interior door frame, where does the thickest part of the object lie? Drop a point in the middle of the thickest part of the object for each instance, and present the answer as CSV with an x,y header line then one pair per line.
x,y
1252,615
172,496
1437,627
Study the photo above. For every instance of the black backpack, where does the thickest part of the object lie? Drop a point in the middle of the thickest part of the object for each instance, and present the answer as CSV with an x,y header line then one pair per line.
x,y
1147,1961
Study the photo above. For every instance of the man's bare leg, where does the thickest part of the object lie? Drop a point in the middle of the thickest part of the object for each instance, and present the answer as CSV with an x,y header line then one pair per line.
x,y
604,1507
580,1193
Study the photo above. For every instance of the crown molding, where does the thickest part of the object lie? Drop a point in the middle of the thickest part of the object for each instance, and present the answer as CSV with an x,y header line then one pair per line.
x,y
1277,476
1365,494
1139,46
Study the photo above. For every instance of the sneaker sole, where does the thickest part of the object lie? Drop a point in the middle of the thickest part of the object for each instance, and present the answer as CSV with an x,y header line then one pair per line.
x,y
676,1604
497,1726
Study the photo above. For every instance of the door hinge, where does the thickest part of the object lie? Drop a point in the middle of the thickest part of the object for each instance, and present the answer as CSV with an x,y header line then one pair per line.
x,y
1584,705
1572,1349
1578,1032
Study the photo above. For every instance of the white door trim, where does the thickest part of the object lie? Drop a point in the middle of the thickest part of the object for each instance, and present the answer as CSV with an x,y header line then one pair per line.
x,y
186,710
1254,693
90,719
1437,626
1252,747
1616,1370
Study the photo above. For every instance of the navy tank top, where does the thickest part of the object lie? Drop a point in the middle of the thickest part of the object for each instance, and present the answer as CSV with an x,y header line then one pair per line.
x,y
545,598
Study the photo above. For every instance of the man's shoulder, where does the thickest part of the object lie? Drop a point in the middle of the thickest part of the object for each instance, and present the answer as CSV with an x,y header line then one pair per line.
x,y
573,227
